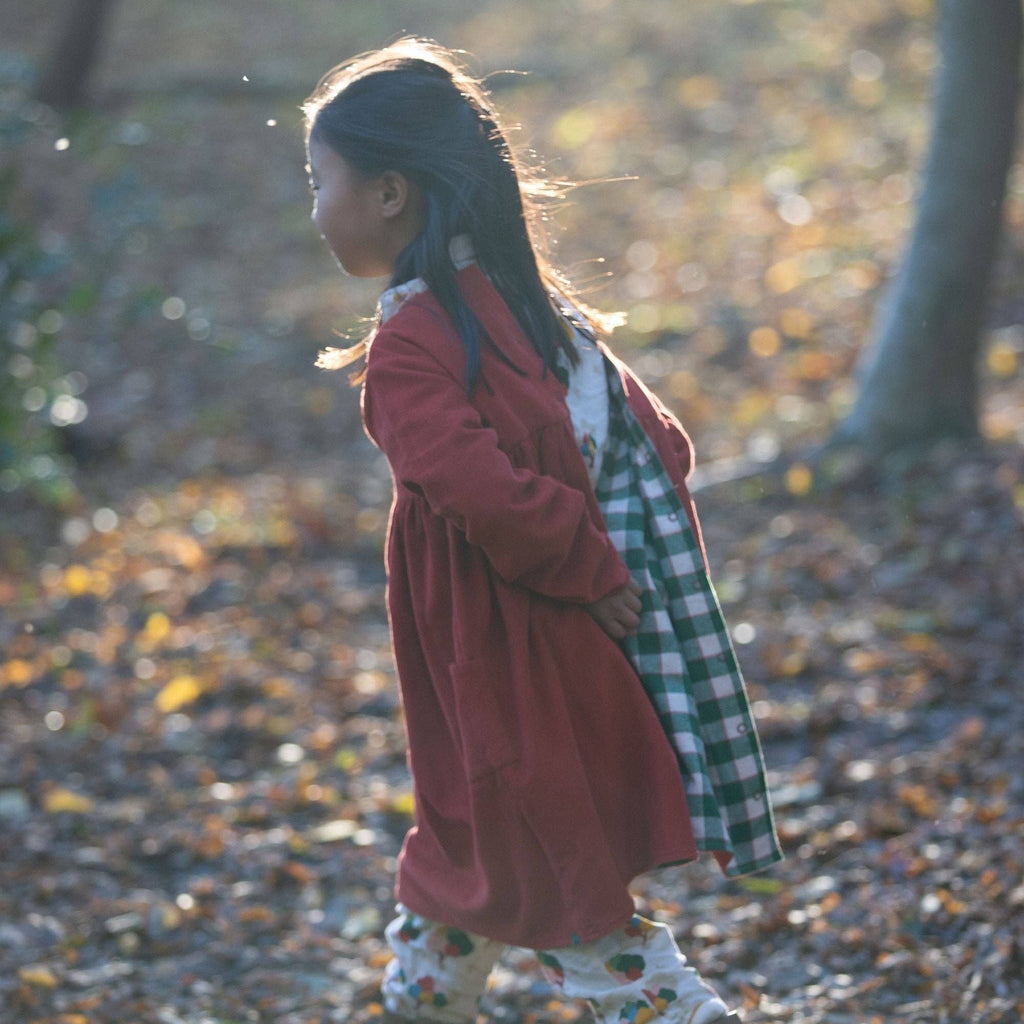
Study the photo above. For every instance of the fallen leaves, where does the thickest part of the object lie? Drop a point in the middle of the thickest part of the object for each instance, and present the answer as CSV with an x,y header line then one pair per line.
x,y
64,801
249,787
178,693
37,977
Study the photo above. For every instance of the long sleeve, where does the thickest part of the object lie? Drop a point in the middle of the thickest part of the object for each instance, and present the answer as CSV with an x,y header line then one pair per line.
x,y
536,530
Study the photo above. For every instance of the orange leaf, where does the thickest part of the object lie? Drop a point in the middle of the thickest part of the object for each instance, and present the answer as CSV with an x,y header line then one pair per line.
x,y
257,914
16,672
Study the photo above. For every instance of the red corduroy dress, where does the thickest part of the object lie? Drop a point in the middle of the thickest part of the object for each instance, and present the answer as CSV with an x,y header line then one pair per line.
x,y
543,780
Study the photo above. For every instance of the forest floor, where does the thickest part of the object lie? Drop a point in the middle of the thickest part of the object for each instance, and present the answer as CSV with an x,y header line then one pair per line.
x,y
203,785
202,777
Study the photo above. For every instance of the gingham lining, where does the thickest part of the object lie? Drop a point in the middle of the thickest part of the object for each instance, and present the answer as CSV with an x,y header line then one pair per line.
x,y
682,651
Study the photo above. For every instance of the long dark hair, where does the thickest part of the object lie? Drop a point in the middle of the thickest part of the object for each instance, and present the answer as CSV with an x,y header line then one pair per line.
x,y
412,108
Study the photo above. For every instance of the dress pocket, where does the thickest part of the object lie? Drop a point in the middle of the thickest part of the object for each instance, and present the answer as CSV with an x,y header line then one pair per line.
x,y
483,725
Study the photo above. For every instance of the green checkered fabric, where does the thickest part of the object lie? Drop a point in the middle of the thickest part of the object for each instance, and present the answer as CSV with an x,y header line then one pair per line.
x,y
682,651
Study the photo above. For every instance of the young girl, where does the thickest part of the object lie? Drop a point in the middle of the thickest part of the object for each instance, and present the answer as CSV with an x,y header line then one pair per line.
x,y
574,712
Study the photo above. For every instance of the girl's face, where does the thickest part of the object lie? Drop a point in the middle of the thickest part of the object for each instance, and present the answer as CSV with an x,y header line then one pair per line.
x,y
366,220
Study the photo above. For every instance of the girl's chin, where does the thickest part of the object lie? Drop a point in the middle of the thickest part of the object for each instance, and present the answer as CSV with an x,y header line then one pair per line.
x,y
360,272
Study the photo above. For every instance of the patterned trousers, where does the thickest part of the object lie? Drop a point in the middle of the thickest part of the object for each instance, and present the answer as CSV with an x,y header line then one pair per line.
x,y
630,976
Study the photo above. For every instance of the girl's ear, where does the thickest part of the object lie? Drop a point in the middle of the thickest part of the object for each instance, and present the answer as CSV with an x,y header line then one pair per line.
x,y
395,191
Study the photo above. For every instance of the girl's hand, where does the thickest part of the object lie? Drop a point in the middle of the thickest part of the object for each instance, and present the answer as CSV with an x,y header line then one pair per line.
x,y
618,613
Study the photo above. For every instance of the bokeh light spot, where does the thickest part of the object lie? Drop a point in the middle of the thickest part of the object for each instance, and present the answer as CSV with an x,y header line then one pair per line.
x,y
764,342
173,308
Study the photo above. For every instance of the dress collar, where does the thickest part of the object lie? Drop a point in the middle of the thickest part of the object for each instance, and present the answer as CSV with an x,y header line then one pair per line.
x,y
460,250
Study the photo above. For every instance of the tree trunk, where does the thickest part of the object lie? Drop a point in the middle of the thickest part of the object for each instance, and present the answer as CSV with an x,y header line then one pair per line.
x,y
76,53
919,383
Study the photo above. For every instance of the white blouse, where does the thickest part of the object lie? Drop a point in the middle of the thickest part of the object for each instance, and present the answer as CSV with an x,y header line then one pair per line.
x,y
587,399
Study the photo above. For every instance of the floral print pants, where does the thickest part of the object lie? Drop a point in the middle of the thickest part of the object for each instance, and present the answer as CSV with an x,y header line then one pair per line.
x,y
631,976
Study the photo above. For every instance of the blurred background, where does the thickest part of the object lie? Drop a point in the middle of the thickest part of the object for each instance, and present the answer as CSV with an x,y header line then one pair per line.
x,y
769,151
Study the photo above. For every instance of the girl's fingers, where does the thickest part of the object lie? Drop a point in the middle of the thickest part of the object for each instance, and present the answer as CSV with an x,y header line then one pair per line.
x,y
627,612
629,622
611,625
619,613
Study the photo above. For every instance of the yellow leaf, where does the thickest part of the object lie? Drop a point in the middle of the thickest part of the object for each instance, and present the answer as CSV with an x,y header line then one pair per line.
x,y
77,580
799,479
403,803
157,628
59,801
783,276
1003,359
16,672
182,549
37,976
181,690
